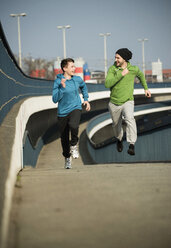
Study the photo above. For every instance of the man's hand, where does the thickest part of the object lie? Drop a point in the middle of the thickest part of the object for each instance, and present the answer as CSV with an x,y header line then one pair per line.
x,y
147,93
63,82
124,72
87,105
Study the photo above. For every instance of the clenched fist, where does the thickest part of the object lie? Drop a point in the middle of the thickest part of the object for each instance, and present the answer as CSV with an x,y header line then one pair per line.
x,y
63,82
125,71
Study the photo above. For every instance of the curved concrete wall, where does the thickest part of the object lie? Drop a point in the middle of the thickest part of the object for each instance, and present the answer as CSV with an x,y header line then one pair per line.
x,y
18,123
153,146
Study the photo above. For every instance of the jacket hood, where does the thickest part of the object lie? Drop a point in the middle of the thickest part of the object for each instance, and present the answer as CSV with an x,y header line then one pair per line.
x,y
60,76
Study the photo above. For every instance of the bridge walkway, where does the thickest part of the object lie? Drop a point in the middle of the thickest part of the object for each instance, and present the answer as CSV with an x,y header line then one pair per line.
x,y
104,206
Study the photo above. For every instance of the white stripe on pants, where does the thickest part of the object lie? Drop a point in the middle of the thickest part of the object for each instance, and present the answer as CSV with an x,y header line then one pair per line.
x,y
126,112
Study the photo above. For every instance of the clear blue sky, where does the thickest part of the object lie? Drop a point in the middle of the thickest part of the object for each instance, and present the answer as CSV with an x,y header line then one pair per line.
x,y
127,20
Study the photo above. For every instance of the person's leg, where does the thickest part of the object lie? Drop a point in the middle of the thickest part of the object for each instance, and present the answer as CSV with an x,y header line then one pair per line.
x,y
65,142
116,115
64,133
74,121
131,128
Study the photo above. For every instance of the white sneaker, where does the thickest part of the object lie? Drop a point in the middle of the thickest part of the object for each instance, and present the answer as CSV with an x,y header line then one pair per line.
x,y
74,151
68,163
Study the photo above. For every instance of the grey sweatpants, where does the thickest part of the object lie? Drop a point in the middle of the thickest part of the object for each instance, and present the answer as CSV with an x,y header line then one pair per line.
x,y
126,112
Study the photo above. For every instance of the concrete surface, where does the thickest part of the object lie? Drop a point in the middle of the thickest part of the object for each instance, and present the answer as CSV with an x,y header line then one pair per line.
x,y
110,205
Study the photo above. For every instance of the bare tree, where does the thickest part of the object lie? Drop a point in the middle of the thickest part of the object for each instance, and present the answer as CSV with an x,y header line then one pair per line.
x,y
39,67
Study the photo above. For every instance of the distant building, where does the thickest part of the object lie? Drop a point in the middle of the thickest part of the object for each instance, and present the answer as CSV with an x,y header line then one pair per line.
x,y
86,72
167,74
99,76
157,74
153,78
157,70
38,73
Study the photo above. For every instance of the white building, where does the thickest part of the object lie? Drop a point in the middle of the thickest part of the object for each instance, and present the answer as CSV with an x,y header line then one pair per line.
x,y
157,70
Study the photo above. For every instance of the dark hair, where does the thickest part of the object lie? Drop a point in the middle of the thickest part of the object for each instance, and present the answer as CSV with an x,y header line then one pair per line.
x,y
65,62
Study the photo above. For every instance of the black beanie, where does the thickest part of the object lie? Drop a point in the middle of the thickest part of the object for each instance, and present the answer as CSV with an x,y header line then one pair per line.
x,y
124,53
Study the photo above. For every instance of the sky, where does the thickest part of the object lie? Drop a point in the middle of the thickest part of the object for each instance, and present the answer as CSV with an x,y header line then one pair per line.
x,y
126,20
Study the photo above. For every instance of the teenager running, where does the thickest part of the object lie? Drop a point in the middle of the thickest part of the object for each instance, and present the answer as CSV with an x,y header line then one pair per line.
x,y
66,93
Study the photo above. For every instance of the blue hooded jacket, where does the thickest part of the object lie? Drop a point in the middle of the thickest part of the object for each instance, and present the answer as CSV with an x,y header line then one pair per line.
x,y
68,98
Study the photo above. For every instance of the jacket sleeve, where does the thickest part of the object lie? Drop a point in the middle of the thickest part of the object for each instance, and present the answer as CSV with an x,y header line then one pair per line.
x,y
84,90
112,77
57,93
141,77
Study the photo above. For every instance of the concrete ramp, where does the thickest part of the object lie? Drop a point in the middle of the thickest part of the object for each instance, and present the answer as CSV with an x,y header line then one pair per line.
x,y
107,205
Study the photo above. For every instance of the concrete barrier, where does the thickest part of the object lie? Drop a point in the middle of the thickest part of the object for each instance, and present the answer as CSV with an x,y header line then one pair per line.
x,y
12,150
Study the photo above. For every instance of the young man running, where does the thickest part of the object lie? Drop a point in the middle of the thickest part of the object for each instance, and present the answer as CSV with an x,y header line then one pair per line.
x,y
66,93
120,79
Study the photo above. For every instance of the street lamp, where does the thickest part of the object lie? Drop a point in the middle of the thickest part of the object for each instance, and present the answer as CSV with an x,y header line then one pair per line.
x,y
143,54
64,39
19,38
105,52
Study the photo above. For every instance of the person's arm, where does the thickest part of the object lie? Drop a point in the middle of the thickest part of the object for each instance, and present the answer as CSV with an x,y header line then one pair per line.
x,y
142,79
84,92
113,77
58,89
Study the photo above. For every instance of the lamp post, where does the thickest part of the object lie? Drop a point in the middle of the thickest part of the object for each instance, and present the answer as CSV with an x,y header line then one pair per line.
x,y
143,54
64,39
105,52
19,38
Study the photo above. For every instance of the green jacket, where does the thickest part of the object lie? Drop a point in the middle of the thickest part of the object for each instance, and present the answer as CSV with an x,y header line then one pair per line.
x,y
122,87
